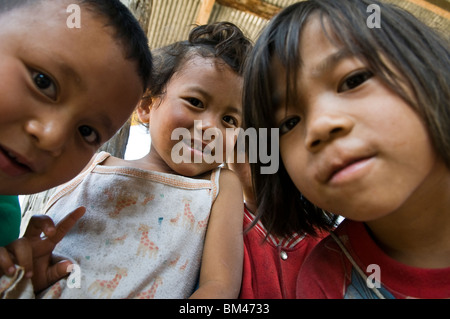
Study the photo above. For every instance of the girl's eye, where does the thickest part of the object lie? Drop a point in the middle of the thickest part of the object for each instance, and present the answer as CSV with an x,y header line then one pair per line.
x,y
230,120
289,124
355,80
89,134
45,84
195,102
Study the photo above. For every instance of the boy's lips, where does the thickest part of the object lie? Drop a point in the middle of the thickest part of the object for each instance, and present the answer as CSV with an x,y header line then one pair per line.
x,y
13,164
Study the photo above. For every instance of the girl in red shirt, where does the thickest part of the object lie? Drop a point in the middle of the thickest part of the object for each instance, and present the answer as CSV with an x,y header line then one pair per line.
x,y
360,93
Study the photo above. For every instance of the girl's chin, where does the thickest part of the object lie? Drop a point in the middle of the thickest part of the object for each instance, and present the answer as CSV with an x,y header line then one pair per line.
x,y
192,170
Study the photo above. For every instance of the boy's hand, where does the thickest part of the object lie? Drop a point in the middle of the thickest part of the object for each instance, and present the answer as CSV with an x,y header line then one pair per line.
x,y
16,253
45,272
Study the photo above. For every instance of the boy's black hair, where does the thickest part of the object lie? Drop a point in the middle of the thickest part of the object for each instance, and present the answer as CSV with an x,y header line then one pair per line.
x,y
126,29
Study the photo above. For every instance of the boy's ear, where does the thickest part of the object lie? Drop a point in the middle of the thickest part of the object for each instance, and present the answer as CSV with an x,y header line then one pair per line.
x,y
143,110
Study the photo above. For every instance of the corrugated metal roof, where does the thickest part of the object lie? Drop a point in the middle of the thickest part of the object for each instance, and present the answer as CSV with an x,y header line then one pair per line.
x,y
249,23
171,20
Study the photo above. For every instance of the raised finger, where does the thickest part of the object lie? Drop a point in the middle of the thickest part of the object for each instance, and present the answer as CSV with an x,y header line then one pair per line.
x,y
67,223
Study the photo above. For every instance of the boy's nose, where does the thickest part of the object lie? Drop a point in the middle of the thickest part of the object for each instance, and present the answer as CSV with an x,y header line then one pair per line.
x,y
49,135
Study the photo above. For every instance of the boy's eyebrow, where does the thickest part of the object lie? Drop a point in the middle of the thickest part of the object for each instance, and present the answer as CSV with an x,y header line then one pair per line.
x,y
329,62
107,122
235,110
70,72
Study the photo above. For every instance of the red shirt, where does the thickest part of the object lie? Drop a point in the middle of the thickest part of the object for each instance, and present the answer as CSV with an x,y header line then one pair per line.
x,y
329,273
271,265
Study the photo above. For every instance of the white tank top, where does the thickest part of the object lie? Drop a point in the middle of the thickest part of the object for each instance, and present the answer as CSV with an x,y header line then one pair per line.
x,y
142,234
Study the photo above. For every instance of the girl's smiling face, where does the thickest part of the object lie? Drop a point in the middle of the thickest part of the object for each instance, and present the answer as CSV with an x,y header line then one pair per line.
x,y
349,143
64,92
204,96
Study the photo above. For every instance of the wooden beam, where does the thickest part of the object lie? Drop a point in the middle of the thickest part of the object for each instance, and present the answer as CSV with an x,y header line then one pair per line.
x,y
204,12
257,7
432,7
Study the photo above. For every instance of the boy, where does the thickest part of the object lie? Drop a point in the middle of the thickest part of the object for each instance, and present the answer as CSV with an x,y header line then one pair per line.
x,y
66,88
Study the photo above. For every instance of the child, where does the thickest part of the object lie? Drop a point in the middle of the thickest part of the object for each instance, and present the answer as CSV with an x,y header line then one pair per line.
x,y
363,115
155,227
271,262
65,91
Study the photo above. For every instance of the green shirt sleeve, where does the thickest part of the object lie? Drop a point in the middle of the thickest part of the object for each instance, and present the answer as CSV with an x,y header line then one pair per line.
x,y
10,217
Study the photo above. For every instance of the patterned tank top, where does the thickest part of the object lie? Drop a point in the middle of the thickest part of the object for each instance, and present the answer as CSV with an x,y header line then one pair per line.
x,y
142,234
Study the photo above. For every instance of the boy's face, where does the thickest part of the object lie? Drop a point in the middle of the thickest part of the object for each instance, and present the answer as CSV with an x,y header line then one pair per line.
x,y
63,93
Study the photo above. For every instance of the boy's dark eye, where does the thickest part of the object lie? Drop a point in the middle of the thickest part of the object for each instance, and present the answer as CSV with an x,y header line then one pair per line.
x,y
289,124
42,81
89,134
230,120
45,84
355,80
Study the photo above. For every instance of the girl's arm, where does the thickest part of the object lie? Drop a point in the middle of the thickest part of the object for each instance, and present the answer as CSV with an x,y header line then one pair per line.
x,y
221,270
